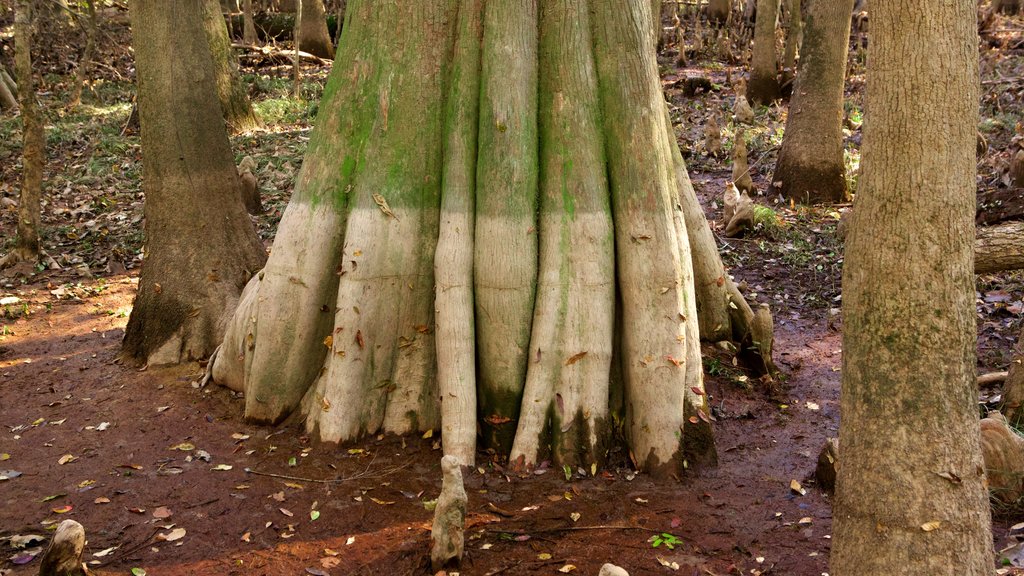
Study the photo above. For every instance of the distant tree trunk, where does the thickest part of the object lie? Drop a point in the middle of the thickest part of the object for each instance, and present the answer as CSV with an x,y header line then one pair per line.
x,y
26,247
339,21
231,90
201,247
7,99
763,87
313,36
794,38
910,494
248,24
810,168
718,11
85,63
1013,388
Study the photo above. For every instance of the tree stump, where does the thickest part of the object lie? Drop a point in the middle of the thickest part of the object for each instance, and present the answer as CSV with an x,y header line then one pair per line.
x,y
63,557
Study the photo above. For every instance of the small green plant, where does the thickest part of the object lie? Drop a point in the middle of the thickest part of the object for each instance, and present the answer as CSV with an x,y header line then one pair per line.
x,y
713,366
669,540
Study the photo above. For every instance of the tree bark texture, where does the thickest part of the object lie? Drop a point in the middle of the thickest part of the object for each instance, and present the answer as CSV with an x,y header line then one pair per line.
x,y
810,168
911,491
201,247
313,36
763,87
1013,388
26,247
231,90
486,231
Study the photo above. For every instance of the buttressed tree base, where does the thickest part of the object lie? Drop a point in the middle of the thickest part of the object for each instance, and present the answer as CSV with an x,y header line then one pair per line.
x,y
493,227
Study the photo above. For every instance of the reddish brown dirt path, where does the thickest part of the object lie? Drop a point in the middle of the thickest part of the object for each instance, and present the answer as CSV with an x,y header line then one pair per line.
x,y
60,380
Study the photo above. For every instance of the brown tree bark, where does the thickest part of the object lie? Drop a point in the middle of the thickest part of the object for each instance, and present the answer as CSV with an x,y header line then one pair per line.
x,y
910,494
26,247
810,168
313,36
763,87
201,247
231,90
1013,388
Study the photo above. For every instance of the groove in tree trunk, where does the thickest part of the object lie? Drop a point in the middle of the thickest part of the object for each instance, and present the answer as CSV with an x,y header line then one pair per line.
x,y
763,87
449,256
26,247
810,167
231,89
313,36
911,488
201,247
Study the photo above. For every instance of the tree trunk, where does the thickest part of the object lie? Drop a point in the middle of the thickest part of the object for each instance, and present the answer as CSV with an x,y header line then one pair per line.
x,y
27,247
718,11
999,248
201,247
248,24
794,38
486,232
85,63
313,36
911,489
7,99
63,556
764,84
810,167
231,89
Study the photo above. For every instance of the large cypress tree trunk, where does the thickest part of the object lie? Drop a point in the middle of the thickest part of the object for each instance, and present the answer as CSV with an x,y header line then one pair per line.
x,y
810,167
26,247
313,36
231,90
484,219
763,87
201,247
911,491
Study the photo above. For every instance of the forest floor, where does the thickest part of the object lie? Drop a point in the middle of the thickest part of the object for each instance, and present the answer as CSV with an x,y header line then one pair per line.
x,y
166,477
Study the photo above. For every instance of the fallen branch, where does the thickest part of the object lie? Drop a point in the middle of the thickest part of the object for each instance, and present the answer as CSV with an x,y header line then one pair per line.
x,y
999,247
992,378
276,54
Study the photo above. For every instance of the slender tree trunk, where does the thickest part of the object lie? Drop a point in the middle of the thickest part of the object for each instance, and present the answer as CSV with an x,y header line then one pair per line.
x,y
810,168
26,247
339,21
794,38
248,24
471,206
313,36
910,495
201,247
1013,388
231,89
85,63
763,87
